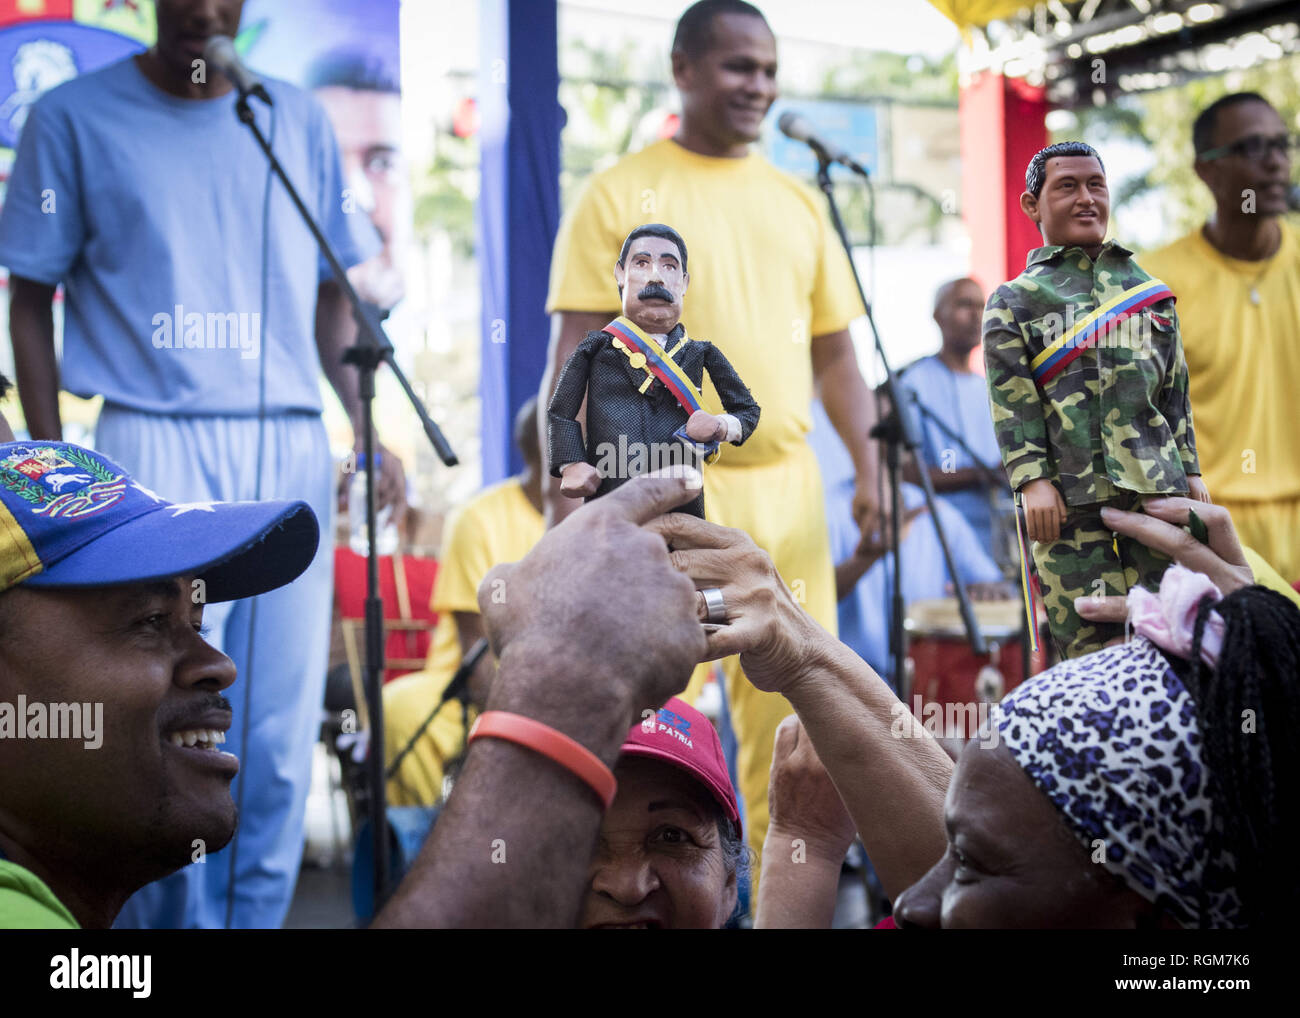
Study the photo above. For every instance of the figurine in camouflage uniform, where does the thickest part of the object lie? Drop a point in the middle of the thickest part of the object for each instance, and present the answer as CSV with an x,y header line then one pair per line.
x,y
1088,389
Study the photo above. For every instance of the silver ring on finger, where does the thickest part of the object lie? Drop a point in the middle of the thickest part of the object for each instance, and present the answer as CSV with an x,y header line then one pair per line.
x,y
715,607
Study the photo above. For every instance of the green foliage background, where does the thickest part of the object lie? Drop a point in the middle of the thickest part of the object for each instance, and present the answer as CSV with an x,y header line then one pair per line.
x,y
1162,121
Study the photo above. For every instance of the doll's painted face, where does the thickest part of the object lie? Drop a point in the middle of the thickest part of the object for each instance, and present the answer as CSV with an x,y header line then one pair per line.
x,y
1073,208
653,283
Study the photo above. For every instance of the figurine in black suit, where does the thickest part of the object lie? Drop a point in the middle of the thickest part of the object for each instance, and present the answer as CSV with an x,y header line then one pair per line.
x,y
641,378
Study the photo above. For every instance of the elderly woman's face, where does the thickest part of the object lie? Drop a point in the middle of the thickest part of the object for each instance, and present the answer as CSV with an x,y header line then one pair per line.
x,y
659,863
1011,862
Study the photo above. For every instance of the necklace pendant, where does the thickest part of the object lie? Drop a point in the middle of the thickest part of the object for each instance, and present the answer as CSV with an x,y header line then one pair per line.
x,y
1254,296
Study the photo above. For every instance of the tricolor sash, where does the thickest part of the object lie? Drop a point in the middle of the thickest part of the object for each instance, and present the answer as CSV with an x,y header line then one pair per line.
x,y
1085,332
656,361
1027,585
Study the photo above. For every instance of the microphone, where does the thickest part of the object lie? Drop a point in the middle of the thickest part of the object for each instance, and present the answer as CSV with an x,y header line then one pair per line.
x,y
457,689
1293,198
796,127
220,53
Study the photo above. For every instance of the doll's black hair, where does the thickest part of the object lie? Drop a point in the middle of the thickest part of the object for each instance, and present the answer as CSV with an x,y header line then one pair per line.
x,y
654,230
1036,171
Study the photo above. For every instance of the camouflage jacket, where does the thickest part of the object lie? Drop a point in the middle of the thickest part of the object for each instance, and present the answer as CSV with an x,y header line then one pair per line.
x,y
1118,416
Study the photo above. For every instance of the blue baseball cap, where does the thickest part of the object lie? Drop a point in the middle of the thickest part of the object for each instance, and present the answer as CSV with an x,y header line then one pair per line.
x,y
70,517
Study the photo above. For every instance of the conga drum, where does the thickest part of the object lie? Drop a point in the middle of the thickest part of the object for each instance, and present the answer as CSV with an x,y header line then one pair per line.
x,y
943,668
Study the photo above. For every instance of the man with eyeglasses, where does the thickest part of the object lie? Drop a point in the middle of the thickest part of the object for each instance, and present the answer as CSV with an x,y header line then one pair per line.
x,y
1237,281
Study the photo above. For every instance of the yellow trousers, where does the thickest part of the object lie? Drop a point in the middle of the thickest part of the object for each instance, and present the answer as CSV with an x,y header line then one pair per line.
x,y
780,505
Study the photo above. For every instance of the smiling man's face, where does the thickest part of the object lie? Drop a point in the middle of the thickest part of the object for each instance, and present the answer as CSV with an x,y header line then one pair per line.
x,y
1234,177
1073,208
727,90
139,805
653,283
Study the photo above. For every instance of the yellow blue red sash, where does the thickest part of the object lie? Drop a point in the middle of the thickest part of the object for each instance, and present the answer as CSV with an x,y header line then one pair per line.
x,y
1027,586
1085,332
657,362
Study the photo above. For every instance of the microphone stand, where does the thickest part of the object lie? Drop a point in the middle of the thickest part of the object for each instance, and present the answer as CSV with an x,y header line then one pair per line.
x,y
994,478
372,349
898,432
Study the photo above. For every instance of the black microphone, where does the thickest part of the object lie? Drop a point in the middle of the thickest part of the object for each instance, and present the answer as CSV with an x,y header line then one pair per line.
x,y
457,689
1293,198
220,53
794,126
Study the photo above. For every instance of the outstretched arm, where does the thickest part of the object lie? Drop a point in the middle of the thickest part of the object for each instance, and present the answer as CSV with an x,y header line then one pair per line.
x,y
807,839
735,395
1019,422
889,772
852,411
31,330
564,433
513,845
568,329
1174,402
1014,398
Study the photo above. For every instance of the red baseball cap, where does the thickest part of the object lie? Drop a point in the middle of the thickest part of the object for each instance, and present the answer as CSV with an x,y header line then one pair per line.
x,y
680,735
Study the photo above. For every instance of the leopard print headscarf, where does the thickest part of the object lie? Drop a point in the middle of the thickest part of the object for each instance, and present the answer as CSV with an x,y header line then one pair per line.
x,y
1112,740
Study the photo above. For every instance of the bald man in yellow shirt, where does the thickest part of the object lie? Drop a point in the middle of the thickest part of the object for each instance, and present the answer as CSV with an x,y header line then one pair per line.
x,y
1237,282
770,287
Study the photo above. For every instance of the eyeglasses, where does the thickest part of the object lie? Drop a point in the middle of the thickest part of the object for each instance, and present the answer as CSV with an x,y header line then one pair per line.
x,y
1255,146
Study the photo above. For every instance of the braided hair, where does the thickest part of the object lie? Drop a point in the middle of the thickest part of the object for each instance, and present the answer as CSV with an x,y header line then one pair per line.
x,y
1248,709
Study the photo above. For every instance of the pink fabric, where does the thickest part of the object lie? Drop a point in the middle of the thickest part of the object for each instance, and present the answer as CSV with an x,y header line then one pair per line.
x,y
1168,619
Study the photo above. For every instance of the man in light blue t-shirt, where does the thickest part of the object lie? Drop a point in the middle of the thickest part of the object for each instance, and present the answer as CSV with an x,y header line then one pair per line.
x,y
864,578
137,189
956,402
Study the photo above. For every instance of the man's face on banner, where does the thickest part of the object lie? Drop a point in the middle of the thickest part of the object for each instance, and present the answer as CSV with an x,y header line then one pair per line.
x,y
368,125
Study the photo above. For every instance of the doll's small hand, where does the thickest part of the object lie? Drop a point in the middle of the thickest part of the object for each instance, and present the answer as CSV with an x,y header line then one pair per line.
x,y
1197,488
702,426
1044,510
579,480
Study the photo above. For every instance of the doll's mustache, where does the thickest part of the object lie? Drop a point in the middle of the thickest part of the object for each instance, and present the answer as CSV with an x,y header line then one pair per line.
x,y
655,290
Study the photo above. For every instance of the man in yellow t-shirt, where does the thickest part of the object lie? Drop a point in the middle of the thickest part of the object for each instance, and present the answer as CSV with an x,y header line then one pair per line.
x,y
771,287
1237,281
500,524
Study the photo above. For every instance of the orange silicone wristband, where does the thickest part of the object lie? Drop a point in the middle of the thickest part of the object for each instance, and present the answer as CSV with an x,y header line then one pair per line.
x,y
543,739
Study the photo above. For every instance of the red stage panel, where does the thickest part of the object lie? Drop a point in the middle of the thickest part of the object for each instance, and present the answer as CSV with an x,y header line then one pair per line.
x,y
1001,129
13,11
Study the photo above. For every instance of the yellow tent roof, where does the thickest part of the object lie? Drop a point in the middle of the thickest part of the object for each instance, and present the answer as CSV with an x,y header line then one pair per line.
x,y
972,13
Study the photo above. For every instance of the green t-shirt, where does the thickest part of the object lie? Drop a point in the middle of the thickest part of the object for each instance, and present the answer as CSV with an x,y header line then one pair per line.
x,y
27,904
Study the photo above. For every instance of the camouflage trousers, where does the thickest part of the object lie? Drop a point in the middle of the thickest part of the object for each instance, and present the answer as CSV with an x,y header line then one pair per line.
x,y
1090,559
